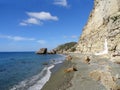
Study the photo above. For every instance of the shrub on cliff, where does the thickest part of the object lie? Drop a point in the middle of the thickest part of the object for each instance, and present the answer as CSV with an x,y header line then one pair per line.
x,y
67,47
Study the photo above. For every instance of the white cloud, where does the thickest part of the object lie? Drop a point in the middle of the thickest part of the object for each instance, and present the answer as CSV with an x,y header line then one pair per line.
x,y
23,24
41,41
19,38
16,38
74,36
32,21
61,3
37,18
42,16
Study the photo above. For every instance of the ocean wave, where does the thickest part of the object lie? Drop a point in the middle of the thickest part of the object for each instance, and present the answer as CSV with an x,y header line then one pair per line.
x,y
41,83
37,81
58,60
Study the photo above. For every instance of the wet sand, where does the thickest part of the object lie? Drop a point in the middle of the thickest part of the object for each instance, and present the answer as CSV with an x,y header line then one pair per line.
x,y
59,79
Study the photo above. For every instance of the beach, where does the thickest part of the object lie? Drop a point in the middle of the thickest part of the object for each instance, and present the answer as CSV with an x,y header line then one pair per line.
x,y
82,79
60,80
27,70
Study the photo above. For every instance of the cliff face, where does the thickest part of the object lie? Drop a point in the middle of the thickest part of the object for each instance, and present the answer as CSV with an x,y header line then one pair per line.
x,y
101,35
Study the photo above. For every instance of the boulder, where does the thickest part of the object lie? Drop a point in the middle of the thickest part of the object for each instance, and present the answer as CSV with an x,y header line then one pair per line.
x,y
114,55
96,75
118,62
87,60
70,69
42,51
106,79
68,57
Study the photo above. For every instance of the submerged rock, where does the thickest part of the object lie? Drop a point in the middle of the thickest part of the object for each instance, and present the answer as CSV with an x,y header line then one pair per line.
x,y
45,63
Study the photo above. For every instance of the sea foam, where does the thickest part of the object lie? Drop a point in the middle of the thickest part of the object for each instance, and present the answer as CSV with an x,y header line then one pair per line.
x,y
41,83
37,81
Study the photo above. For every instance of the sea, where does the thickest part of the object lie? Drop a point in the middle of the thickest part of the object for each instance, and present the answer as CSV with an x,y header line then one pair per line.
x,y
26,70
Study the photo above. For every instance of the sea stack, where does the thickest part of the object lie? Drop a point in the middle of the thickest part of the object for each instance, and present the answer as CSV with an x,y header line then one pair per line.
x,y
42,51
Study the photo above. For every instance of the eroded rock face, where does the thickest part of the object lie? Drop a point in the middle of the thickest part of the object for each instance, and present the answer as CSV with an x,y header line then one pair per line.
x,y
106,79
103,24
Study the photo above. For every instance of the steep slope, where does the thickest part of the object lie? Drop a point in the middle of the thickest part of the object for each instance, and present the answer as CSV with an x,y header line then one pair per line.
x,y
67,47
101,35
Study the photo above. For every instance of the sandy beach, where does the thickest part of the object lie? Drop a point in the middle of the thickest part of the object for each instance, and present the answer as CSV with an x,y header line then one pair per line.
x,y
81,79
59,79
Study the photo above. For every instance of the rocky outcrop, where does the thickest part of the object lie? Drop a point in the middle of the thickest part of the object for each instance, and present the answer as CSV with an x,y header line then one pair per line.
x,y
101,35
106,79
67,47
61,49
52,52
42,51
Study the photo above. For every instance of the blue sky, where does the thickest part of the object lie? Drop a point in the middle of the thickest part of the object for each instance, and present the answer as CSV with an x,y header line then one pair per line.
x,y
27,25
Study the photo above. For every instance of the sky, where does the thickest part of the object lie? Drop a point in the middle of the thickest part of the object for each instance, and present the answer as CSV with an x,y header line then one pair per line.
x,y
27,25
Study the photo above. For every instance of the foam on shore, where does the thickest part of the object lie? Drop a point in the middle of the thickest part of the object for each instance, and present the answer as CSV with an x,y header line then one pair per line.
x,y
41,83
39,80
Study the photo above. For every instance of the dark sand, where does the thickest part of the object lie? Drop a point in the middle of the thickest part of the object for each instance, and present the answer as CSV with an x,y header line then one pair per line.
x,y
80,80
60,80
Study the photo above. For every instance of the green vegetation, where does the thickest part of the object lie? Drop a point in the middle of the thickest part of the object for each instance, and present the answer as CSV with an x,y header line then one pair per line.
x,y
67,47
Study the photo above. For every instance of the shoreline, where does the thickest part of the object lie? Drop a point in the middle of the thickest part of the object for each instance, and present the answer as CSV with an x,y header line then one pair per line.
x,y
60,80
37,81
99,74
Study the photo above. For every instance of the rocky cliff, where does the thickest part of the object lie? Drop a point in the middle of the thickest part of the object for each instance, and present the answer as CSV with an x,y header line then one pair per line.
x,y
67,47
101,35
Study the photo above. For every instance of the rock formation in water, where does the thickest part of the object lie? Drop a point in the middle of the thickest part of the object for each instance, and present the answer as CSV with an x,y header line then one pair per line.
x,y
42,51
61,49
53,51
101,35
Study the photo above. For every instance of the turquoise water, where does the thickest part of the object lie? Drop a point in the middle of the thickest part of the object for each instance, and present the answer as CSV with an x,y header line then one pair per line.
x,y
25,70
